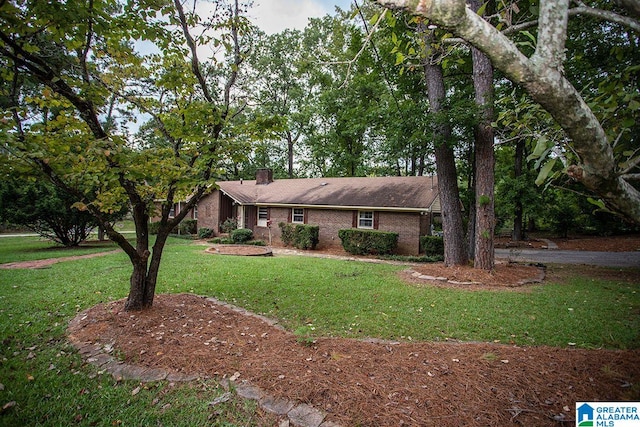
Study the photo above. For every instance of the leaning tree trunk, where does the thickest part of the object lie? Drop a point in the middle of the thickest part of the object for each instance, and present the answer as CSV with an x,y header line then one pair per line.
x,y
455,250
484,257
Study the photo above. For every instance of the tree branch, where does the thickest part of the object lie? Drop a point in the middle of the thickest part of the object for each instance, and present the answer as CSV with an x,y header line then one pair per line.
x,y
548,87
195,63
552,34
606,15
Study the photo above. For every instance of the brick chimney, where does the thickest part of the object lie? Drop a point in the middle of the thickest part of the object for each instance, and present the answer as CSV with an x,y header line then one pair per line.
x,y
264,176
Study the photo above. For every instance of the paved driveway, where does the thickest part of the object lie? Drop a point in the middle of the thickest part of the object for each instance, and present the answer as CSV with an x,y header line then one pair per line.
x,y
550,256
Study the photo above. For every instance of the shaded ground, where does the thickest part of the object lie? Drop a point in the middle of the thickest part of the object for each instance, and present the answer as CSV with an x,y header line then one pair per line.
x,y
380,383
367,383
627,243
45,263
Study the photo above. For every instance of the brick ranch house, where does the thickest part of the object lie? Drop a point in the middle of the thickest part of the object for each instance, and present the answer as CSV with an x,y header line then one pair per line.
x,y
404,205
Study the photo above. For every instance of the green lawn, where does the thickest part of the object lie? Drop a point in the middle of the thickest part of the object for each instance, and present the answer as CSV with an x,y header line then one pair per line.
x,y
14,249
51,386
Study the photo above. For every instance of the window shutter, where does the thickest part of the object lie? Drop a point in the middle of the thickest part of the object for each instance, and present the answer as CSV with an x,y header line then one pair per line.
x,y
290,216
268,213
304,212
376,220
354,222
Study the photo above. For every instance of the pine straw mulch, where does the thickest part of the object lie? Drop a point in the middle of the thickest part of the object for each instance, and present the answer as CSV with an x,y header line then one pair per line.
x,y
367,383
505,275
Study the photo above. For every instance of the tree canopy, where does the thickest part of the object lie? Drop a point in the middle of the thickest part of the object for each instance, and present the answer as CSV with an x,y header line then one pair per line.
x,y
140,104
591,136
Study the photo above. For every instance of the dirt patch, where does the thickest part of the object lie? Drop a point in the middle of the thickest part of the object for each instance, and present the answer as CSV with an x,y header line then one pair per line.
x,y
243,250
504,275
626,243
367,383
46,263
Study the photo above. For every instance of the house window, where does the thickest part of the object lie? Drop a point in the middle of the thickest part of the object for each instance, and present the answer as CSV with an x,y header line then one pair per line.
x,y
172,211
365,219
297,216
263,217
195,212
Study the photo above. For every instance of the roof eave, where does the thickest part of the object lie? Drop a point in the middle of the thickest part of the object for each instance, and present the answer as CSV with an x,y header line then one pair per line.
x,y
339,207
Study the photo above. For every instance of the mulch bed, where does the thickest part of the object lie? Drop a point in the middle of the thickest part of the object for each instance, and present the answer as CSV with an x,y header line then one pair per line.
x,y
367,383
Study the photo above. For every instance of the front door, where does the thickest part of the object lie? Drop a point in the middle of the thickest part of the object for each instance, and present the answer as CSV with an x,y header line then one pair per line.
x,y
250,217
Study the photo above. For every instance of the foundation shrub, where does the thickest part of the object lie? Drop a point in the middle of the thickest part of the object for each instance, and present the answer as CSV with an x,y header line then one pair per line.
x,y
432,245
241,235
368,242
301,236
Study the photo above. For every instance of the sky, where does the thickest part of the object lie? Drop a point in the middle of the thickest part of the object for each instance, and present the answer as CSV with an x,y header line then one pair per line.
x,y
273,16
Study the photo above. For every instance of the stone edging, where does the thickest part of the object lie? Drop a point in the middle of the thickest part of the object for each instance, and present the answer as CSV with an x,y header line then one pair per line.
x,y
538,279
297,413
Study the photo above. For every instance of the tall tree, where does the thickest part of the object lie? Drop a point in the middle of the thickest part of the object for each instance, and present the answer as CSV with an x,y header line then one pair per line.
x,y
455,250
78,57
484,156
542,76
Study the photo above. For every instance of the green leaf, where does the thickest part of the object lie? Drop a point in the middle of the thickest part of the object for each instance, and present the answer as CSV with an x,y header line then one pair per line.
x,y
544,171
482,9
541,146
598,202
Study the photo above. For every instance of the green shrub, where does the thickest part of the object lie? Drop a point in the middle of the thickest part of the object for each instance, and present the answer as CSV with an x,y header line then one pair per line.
x,y
368,242
188,226
154,227
256,243
221,241
413,258
205,233
228,225
241,235
300,236
432,245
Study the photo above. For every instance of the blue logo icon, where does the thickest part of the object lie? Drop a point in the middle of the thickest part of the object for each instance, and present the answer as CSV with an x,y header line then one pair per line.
x,y
585,416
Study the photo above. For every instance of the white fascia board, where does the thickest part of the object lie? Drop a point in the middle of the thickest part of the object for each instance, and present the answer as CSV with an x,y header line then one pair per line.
x,y
344,208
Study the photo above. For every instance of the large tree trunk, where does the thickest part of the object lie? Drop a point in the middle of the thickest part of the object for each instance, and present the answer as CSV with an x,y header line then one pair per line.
x,y
290,143
518,208
484,159
455,250
542,77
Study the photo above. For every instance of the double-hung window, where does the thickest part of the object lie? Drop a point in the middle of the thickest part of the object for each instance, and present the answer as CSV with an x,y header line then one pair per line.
x,y
263,216
297,216
365,219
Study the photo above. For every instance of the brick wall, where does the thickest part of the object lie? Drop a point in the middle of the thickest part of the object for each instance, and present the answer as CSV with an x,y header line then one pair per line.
x,y
407,225
208,211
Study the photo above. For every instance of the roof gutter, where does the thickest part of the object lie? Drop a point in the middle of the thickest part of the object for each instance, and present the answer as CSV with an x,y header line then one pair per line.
x,y
345,208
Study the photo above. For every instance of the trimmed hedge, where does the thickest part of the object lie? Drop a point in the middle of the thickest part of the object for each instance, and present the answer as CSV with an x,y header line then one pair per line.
x,y
241,235
301,236
154,227
188,226
205,233
432,245
368,242
228,225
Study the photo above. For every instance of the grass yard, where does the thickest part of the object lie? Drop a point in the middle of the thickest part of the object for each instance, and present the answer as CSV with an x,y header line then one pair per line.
x,y
44,382
13,249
